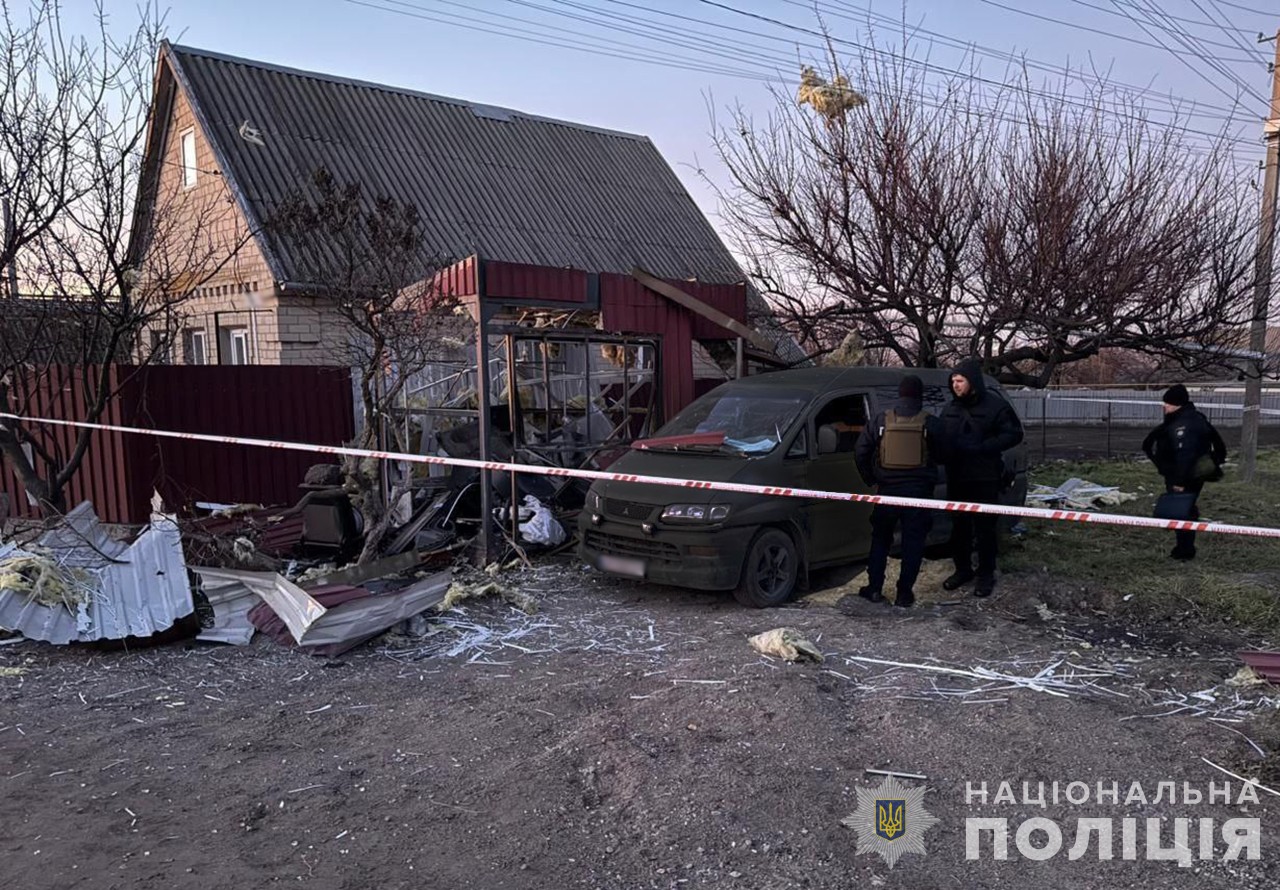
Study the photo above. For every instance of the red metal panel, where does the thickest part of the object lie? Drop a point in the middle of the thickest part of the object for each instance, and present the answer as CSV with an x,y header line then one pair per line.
x,y
627,307
120,471
731,299
540,284
459,280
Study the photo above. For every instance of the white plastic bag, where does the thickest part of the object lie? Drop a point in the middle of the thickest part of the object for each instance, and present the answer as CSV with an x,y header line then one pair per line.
x,y
542,528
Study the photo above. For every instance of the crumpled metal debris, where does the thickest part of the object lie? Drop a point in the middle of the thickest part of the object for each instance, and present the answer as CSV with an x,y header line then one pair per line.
x,y
351,619
129,589
785,643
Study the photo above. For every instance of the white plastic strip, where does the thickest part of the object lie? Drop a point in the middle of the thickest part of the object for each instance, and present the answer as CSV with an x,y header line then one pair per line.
x,y
811,494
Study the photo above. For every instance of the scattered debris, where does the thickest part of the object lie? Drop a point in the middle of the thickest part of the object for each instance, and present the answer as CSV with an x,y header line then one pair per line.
x,y
42,579
787,644
126,589
1246,678
885,772
231,602
1265,664
460,591
359,574
326,620
12,671
1254,782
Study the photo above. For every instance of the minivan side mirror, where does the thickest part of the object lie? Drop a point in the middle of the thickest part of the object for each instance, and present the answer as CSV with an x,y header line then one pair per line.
x,y
828,440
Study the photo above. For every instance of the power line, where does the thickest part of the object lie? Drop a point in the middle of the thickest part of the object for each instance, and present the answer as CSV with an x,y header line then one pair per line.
x,y
930,67
1080,27
1247,8
1216,65
631,53
1175,53
1176,18
1227,28
1012,57
559,42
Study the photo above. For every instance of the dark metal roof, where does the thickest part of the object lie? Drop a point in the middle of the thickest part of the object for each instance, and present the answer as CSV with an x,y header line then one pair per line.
x,y
494,182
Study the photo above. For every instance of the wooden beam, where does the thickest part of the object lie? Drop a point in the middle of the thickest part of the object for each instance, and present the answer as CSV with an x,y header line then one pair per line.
x,y
692,303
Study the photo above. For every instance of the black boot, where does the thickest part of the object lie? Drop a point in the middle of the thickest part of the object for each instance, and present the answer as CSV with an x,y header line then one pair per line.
x,y
871,595
985,587
959,579
905,600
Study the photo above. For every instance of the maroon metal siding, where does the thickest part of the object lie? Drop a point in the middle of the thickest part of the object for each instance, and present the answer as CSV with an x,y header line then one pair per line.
x,y
536,284
460,279
731,299
121,471
628,307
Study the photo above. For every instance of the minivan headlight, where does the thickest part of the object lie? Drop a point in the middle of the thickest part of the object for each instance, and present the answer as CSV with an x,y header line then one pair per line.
x,y
696,512
595,503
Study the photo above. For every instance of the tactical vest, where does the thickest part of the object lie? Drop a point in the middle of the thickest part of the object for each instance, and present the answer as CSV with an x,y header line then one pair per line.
x,y
902,442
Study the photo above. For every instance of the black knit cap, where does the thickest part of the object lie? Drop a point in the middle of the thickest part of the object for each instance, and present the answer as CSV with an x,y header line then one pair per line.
x,y
1177,396
911,387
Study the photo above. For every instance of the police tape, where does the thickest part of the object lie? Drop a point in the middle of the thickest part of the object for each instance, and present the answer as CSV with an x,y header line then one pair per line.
x,y
700,484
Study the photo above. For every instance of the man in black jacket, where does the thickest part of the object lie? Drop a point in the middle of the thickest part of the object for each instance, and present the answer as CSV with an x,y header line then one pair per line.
x,y
902,466
1175,447
978,427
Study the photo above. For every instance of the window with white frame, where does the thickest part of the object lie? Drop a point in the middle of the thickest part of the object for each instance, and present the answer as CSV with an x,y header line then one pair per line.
x,y
194,349
239,347
189,158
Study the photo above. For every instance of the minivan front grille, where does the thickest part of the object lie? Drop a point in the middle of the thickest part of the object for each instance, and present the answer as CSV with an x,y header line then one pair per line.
x,y
627,509
617,545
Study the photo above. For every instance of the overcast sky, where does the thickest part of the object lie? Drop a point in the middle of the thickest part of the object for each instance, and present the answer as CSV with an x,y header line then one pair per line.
x,y
652,66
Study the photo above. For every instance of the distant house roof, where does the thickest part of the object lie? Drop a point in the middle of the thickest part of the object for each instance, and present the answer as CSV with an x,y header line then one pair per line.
x,y
489,181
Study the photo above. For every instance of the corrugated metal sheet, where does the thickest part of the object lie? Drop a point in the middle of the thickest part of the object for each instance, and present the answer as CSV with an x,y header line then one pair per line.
x,y
137,589
502,184
628,307
536,283
120,472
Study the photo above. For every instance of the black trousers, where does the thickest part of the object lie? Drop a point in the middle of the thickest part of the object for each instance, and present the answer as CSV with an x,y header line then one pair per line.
x,y
915,525
965,527
1186,541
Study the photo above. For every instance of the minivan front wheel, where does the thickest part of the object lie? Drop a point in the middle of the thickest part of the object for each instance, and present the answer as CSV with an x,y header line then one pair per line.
x,y
771,571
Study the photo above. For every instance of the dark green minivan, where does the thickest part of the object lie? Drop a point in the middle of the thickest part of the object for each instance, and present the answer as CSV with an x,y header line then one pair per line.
x,y
792,429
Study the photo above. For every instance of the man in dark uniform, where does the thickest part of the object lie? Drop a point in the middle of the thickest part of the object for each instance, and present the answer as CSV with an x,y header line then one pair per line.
x,y
895,452
1176,447
978,427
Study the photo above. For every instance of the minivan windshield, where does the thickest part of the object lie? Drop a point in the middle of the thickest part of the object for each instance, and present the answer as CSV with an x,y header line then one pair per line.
x,y
753,422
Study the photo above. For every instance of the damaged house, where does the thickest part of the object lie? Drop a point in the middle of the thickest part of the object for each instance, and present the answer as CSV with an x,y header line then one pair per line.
x,y
587,281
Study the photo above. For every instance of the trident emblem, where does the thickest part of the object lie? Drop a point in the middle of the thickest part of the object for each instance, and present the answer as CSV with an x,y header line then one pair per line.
x,y
890,818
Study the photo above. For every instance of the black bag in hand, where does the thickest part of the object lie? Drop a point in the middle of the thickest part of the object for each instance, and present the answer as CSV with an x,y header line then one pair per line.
x,y
1176,505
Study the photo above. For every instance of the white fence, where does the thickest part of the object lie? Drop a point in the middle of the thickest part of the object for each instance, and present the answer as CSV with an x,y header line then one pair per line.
x,y
1134,407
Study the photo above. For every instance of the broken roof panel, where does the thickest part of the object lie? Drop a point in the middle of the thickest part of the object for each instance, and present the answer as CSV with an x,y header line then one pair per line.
x,y
133,589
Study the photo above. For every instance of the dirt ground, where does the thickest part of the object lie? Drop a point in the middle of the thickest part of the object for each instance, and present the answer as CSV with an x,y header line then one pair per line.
x,y
623,736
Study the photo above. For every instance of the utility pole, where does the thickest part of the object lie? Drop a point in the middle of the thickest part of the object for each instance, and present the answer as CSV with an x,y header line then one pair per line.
x,y
1262,283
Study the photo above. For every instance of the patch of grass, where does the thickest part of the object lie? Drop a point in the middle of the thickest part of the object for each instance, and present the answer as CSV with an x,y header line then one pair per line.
x,y
1233,580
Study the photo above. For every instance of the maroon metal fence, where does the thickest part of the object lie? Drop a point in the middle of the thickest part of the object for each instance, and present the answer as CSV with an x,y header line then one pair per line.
x,y
121,471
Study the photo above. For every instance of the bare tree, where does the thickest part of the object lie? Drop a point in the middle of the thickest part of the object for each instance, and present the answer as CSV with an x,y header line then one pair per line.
x,y
1107,232
101,269
365,256
970,217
